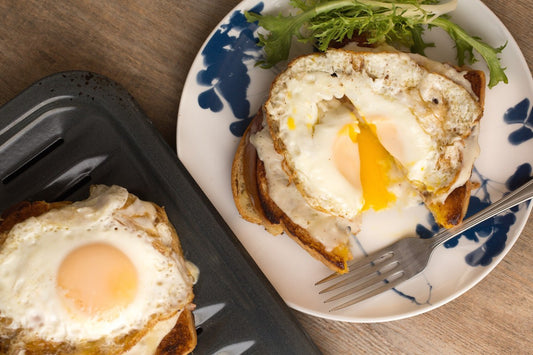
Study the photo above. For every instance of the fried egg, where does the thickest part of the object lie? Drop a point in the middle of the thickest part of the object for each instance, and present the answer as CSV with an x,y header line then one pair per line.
x,y
361,131
96,274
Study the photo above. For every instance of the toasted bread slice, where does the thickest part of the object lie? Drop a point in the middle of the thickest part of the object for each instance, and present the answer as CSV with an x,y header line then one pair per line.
x,y
335,259
181,339
244,183
251,196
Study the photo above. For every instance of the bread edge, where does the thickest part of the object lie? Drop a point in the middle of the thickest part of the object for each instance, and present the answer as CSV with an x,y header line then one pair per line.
x,y
264,211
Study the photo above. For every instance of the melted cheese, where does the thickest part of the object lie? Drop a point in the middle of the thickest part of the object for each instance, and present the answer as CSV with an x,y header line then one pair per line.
x,y
329,230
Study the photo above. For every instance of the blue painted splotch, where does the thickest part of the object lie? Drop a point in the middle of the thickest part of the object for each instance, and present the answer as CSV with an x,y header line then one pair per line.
x,y
413,299
497,231
493,231
518,114
426,232
226,74
520,177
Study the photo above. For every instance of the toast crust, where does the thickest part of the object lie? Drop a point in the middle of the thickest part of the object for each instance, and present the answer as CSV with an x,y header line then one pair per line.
x,y
22,211
244,183
181,339
250,193
335,259
185,331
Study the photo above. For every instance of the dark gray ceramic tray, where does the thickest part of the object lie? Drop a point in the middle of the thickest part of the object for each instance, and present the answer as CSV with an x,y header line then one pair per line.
x,y
74,129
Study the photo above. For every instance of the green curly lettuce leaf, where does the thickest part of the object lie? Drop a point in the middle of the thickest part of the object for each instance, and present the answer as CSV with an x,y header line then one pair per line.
x,y
399,23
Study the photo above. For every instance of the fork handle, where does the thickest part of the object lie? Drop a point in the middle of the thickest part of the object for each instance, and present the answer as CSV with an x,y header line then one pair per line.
x,y
523,193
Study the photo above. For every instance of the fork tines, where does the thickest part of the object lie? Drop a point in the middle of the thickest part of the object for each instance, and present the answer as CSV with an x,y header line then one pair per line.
x,y
408,257
368,277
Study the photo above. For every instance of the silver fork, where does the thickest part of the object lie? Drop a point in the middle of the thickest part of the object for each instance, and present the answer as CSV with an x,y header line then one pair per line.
x,y
392,265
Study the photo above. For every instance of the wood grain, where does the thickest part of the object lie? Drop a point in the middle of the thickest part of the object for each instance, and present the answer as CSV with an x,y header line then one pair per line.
x,y
148,47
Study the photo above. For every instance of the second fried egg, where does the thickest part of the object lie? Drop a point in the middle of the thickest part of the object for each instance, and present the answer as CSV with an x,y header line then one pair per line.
x,y
95,274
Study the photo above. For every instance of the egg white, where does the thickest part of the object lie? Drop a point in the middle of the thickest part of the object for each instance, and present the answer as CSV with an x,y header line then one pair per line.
x,y
331,231
34,249
420,117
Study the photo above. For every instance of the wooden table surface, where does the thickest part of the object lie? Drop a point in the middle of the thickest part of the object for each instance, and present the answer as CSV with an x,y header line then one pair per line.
x,y
148,47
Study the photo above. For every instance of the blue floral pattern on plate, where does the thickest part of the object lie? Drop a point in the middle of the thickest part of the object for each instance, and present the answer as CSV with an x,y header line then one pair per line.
x,y
224,94
494,230
518,115
226,73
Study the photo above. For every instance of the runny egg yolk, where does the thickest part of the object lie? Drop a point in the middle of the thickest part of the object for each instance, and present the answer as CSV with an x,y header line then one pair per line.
x,y
96,278
363,161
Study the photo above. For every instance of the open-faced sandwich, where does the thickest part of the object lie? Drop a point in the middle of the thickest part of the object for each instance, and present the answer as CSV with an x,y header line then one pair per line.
x,y
105,275
346,131
364,123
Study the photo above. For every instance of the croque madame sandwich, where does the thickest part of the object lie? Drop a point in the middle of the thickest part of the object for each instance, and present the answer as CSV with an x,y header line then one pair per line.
x,y
105,275
346,131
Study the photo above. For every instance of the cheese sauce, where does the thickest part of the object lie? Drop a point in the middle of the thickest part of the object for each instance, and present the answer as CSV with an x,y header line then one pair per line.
x,y
329,230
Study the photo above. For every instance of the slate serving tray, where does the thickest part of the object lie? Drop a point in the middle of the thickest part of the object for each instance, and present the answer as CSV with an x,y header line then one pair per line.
x,y
74,129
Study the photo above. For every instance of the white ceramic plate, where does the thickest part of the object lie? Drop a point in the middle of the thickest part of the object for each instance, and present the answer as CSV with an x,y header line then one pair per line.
x,y
224,90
